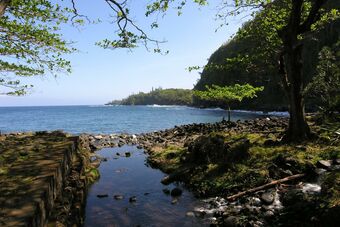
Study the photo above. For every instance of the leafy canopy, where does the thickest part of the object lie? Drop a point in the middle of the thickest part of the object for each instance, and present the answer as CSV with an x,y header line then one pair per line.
x,y
325,86
31,43
227,94
269,19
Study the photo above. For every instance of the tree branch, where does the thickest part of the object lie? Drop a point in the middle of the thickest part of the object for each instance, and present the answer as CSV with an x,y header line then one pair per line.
x,y
313,16
76,14
269,185
3,6
123,21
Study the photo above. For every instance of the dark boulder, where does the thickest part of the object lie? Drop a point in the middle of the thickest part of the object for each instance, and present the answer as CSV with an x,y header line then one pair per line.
x,y
133,199
214,149
231,221
176,192
102,195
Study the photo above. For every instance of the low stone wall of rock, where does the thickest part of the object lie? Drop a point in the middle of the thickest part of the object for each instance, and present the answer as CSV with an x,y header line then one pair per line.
x,y
52,168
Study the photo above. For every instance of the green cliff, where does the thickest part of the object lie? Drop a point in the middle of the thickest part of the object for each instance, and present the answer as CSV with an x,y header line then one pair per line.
x,y
273,97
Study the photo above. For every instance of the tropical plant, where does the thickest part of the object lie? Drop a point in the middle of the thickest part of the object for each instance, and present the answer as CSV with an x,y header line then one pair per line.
x,y
228,94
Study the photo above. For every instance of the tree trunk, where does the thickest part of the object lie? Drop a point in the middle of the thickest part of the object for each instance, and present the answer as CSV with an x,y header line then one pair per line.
x,y
229,113
3,6
298,128
292,75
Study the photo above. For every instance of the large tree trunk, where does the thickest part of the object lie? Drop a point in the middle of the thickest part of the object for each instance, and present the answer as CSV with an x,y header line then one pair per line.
x,y
292,75
298,127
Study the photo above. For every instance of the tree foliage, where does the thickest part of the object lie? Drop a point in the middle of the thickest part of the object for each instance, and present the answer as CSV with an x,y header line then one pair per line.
x,y
31,43
159,96
325,86
251,56
228,94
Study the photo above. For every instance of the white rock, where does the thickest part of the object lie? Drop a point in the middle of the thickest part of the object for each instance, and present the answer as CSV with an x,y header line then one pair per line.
x,y
311,188
190,214
98,137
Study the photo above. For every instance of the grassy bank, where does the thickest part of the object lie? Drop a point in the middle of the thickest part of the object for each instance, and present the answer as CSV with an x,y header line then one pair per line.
x,y
225,162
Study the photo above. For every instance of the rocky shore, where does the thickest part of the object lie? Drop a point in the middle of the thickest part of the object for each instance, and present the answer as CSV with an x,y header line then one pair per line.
x,y
244,172
221,159
181,133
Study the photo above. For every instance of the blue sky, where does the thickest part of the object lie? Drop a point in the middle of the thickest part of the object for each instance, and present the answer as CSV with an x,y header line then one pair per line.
x,y
100,75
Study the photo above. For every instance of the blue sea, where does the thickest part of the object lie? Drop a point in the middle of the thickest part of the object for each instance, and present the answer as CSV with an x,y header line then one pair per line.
x,y
109,119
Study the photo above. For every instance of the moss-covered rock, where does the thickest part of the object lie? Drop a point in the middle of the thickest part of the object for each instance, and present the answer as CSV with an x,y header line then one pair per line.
x,y
214,149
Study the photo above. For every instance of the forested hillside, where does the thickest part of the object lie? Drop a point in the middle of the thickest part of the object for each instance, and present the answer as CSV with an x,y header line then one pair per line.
x,y
158,96
263,70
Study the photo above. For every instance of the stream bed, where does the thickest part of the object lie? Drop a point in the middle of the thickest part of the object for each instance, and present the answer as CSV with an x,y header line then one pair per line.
x,y
129,193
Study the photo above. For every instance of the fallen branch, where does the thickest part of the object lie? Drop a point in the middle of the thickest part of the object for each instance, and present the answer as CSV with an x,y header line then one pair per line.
x,y
267,131
269,185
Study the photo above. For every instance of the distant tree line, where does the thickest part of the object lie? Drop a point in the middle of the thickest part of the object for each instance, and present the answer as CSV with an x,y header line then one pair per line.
x,y
158,96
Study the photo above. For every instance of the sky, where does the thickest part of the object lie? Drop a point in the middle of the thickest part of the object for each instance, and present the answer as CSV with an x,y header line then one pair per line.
x,y
100,75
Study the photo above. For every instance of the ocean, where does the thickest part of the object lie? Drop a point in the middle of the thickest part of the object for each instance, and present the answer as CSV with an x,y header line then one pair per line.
x,y
109,119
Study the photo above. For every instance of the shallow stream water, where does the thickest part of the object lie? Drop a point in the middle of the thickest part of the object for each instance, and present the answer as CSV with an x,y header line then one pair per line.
x,y
128,177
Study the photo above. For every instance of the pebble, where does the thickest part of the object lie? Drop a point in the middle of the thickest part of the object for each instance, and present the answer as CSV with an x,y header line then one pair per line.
x,y
267,198
176,192
23,153
102,195
320,171
324,164
268,213
174,201
98,137
255,201
190,214
231,221
311,188
166,191
133,199
118,197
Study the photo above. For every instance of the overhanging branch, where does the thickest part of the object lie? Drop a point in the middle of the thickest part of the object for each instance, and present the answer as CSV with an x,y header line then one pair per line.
x,y
313,16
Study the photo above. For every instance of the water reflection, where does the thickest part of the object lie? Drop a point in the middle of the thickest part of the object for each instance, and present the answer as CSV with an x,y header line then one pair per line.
x,y
124,177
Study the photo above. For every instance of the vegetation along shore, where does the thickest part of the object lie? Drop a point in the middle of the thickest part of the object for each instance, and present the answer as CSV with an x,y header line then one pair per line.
x,y
248,174
244,171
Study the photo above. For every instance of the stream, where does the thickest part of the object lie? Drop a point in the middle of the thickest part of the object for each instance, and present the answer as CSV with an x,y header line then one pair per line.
x,y
129,193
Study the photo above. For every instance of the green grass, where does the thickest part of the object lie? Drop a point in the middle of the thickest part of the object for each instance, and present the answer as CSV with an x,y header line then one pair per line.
x,y
226,178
